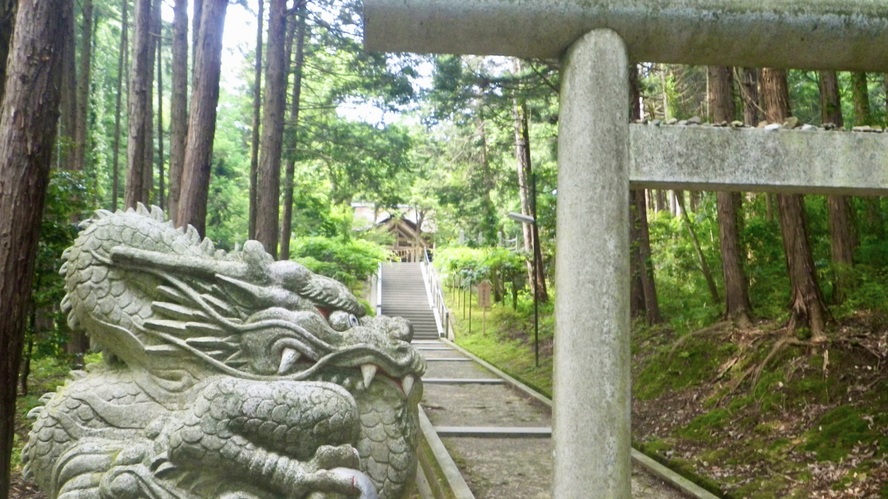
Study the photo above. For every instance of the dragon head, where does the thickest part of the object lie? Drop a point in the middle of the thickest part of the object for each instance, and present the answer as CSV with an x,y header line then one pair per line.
x,y
262,319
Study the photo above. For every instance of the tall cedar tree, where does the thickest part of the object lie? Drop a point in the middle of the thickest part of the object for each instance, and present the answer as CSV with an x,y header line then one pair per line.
x,y
527,197
122,62
28,119
268,182
202,117
83,81
148,161
65,155
178,104
257,117
7,19
488,229
842,238
807,300
527,192
139,115
299,25
160,172
197,13
860,95
737,307
643,290
749,95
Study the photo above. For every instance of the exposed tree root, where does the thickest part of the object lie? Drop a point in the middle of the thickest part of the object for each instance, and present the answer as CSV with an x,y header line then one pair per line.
x,y
778,347
755,370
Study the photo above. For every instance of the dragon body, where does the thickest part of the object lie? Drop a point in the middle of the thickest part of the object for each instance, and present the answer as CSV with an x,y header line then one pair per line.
x,y
227,375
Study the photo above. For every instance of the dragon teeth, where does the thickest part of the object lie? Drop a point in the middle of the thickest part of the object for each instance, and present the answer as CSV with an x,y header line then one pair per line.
x,y
288,359
368,371
407,383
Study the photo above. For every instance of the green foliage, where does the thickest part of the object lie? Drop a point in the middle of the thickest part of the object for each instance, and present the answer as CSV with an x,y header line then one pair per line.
x,y
362,161
473,265
348,261
66,201
465,267
681,286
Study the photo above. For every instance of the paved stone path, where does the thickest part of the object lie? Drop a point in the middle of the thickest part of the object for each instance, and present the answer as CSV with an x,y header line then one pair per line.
x,y
518,466
498,436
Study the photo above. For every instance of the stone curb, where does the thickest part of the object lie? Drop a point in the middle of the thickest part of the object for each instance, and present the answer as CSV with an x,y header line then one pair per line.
x,y
672,478
451,484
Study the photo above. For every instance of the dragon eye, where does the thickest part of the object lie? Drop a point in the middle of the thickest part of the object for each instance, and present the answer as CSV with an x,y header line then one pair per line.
x,y
341,320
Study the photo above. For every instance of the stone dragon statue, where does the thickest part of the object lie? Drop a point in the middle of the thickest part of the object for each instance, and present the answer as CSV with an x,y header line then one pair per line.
x,y
226,375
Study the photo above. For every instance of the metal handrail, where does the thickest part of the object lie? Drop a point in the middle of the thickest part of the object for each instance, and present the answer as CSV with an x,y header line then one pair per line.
x,y
379,289
436,297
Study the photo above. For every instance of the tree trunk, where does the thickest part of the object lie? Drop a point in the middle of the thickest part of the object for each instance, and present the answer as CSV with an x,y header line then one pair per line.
x,y
640,244
651,305
542,294
636,285
7,22
291,141
83,81
121,65
488,211
202,118
842,237
178,104
737,306
775,95
807,300
28,119
65,156
527,196
525,174
197,12
139,105
885,90
749,95
860,93
830,103
660,200
153,40
160,179
268,180
73,120
257,107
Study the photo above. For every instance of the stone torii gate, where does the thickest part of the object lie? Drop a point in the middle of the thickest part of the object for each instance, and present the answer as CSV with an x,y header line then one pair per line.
x,y
600,155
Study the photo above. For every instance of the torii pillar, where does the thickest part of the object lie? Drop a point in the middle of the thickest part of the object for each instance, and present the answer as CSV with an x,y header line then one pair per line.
x,y
595,39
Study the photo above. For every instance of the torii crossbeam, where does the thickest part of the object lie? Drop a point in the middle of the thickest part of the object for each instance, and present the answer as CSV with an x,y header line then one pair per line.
x,y
599,154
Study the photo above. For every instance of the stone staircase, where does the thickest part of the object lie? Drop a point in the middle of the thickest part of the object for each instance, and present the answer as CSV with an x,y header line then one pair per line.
x,y
404,295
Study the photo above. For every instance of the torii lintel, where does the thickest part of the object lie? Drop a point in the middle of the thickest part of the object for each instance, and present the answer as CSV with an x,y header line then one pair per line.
x,y
805,34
